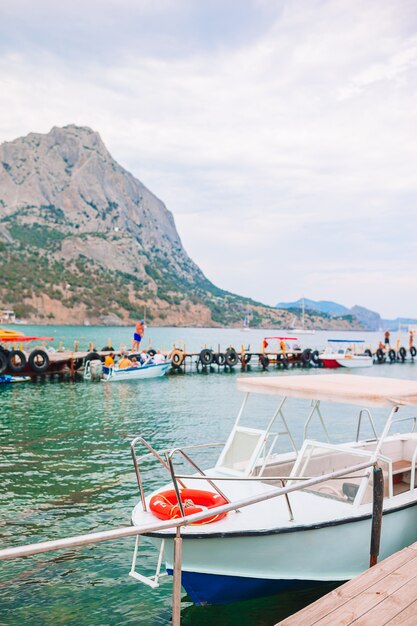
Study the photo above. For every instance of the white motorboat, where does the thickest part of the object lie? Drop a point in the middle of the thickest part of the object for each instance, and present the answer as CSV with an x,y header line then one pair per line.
x,y
309,535
344,353
139,372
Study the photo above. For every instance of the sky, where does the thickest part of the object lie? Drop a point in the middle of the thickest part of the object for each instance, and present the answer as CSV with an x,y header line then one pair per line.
x,y
282,134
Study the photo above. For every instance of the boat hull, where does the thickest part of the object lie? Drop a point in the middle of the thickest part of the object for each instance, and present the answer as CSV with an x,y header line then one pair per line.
x,y
330,363
356,361
351,362
136,373
217,570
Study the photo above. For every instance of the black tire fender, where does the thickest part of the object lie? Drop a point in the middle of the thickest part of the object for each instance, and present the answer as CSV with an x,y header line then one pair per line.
x,y
92,356
38,367
220,358
368,352
177,357
315,357
231,357
3,362
380,355
402,352
151,352
413,351
206,357
285,362
264,361
20,365
245,358
306,356
107,349
391,355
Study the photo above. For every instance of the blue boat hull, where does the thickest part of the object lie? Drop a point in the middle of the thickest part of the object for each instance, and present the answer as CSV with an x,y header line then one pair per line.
x,y
217,589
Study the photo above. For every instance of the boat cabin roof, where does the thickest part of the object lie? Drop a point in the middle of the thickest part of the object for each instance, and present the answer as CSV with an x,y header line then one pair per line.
x,y
346,340
342,388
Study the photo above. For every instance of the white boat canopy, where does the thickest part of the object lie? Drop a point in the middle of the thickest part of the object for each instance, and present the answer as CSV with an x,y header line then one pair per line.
x,y
342,388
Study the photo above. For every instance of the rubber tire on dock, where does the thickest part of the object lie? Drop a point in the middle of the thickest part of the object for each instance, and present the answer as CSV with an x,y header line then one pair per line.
x,y
151,352
77,363
306,356
3,362
206,357
264,361
413,351
231,357
380,355
20,366
391,355
368,352
92,356
403,353
219,358
35,366
107,349
315,357
177,357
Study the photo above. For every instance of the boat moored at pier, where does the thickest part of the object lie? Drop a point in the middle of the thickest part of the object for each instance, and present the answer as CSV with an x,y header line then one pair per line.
x,y
300,539
344,353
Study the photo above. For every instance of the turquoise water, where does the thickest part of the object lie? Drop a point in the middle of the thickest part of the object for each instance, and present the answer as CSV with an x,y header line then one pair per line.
x,y
66,469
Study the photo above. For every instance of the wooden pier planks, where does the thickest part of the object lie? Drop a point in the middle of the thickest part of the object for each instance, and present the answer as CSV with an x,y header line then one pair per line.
x,y
383,595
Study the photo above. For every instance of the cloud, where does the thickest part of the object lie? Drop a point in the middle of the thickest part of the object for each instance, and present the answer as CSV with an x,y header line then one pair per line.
x,y
283,139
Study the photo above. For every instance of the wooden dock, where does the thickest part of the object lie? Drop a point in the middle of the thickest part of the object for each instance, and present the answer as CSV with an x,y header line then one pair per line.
x,y
385,594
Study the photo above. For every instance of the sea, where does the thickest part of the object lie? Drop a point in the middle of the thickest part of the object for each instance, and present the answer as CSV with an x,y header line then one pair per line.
x,y
66,469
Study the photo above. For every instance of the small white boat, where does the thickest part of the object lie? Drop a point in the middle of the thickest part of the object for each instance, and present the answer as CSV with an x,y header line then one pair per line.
x,y
315,534
345,354
246,323
142,372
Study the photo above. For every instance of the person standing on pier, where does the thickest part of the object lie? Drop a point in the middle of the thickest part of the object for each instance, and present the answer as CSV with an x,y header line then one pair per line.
x,y
387,336
138,335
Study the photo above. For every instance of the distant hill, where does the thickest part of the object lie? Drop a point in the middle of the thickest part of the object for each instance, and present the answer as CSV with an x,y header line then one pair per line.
x,y
321,306
369,320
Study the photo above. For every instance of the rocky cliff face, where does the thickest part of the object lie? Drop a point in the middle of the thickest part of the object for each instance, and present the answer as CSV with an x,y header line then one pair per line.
x,y
82,240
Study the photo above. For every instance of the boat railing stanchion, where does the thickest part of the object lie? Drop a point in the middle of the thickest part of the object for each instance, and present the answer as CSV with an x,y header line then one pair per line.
x,y
136,465
377,502
371,421
176,588
197,468
138,476
288,502
174,480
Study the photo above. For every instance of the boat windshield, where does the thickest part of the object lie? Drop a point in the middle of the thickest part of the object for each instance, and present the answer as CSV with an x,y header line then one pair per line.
x,y
316,459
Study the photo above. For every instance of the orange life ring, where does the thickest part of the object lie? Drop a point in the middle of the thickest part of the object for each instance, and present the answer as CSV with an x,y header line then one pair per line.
x,y
165,504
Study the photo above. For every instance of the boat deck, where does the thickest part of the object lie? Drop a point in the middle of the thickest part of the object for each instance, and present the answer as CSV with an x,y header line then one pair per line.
x,y
384,594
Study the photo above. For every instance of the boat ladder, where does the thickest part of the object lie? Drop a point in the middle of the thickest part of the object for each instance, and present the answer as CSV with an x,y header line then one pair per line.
x,y
151,581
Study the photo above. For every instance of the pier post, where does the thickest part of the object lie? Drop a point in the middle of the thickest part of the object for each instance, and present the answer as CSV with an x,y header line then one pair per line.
x,y
176,591
378,497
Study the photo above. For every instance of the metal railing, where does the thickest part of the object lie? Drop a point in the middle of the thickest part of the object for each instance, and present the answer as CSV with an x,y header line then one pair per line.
x,y
178,524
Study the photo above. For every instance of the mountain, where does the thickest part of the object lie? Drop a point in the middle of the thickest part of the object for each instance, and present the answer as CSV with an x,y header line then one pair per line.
x,y
321,306
83,241
368,320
